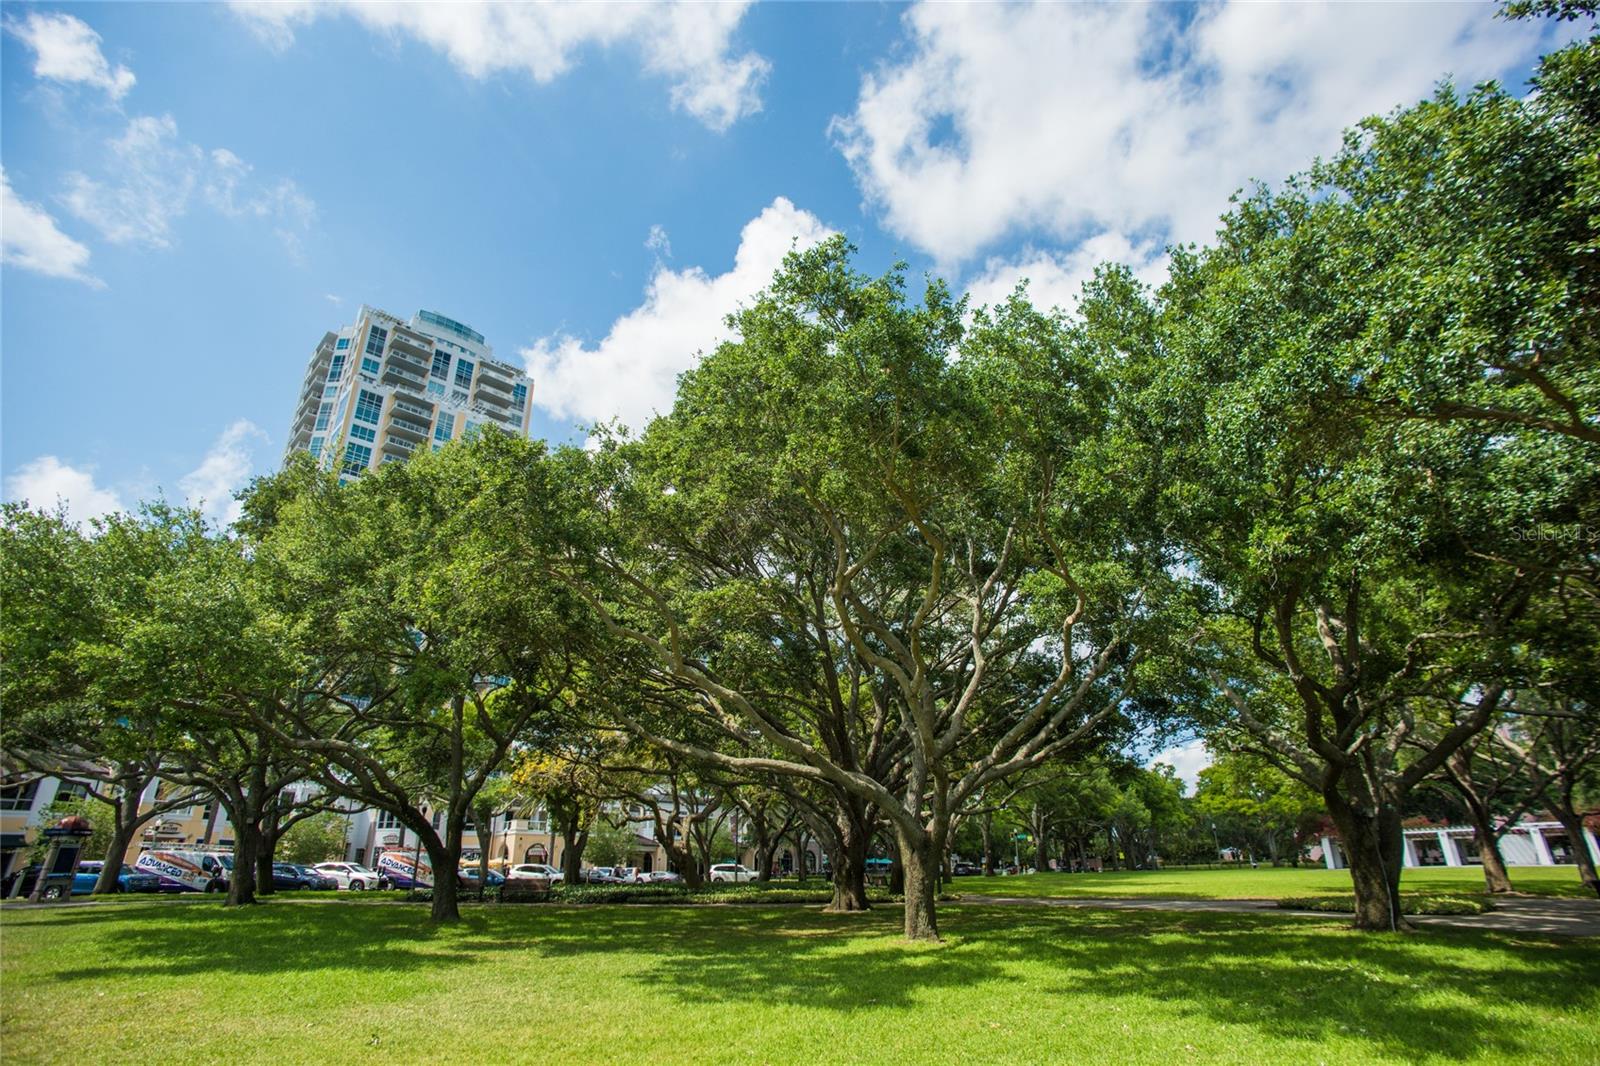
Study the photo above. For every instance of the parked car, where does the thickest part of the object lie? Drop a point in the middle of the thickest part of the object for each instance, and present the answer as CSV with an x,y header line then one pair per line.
x,y
731,873
290,876
533,871
56,886
626,875
128,880
287,877
965,869
467,877
600,875
662,877
349,875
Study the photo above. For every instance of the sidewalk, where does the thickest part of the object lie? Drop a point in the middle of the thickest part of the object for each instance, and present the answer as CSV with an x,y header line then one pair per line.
x,y
1514,914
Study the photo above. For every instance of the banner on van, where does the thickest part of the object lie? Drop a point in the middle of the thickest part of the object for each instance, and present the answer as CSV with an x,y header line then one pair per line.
x,y
194,870
406,868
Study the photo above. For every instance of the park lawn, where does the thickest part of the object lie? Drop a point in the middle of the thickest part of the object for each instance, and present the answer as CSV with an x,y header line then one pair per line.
x,y
368,981
1263,883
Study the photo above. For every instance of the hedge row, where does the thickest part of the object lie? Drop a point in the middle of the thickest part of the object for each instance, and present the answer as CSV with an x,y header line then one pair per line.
x,y
1412,904
668,893
747,893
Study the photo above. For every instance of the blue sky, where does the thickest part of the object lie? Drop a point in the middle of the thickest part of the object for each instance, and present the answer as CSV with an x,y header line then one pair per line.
x,y
194,193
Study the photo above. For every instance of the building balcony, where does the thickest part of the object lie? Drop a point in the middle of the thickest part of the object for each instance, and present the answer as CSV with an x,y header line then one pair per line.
x,y
398,356
396,445
500,415
488,380
393,372
499,401
408,428
422,410
417,343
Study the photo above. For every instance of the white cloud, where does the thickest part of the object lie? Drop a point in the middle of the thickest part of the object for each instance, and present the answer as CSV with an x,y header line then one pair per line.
x,y
67,50
1055,279
47,482
688,43
225,469
658,242
1187,759
29,239
1065,120
632,374
153,175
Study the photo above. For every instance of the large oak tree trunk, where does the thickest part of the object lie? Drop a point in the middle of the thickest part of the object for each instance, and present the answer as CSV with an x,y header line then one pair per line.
x,y
264,885
763,858
111,870
125,823
266,851
444,908
485,819
573,839
242,879
1568,817
1373,846
986,827
1495,878
849,859
683,857
919,857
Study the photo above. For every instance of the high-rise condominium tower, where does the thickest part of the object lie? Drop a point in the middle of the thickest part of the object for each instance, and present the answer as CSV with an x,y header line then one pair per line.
x,y
381,390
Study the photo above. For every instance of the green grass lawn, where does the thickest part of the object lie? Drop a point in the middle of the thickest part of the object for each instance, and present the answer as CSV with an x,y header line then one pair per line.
x,y
371,981
1263,883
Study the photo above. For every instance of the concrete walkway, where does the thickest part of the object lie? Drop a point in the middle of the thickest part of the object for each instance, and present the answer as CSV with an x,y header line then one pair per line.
x,y
1527,914
1513,914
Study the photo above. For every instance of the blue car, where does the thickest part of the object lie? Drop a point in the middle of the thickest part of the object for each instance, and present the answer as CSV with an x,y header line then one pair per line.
x,y
468,877
128,880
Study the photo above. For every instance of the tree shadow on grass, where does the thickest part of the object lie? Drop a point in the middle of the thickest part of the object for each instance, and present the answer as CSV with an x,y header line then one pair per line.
x,y
1433,993
201,938
1415,996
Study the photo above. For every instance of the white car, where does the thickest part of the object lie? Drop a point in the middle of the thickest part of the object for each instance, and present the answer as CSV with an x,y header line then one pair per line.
x,y
528,870
349,875
731,873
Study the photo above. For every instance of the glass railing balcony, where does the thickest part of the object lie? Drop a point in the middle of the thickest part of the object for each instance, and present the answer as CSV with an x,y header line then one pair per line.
x,y
398,444
420,410
489,381
408,427
407,360
394,370
499,415
419,341
499,399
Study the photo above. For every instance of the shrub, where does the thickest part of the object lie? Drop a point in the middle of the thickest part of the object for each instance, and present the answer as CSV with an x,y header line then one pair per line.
x,y
753,892
1413,904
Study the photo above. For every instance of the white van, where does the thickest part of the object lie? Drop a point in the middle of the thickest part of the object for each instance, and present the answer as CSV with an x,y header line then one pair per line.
x,y
184,870
405,868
